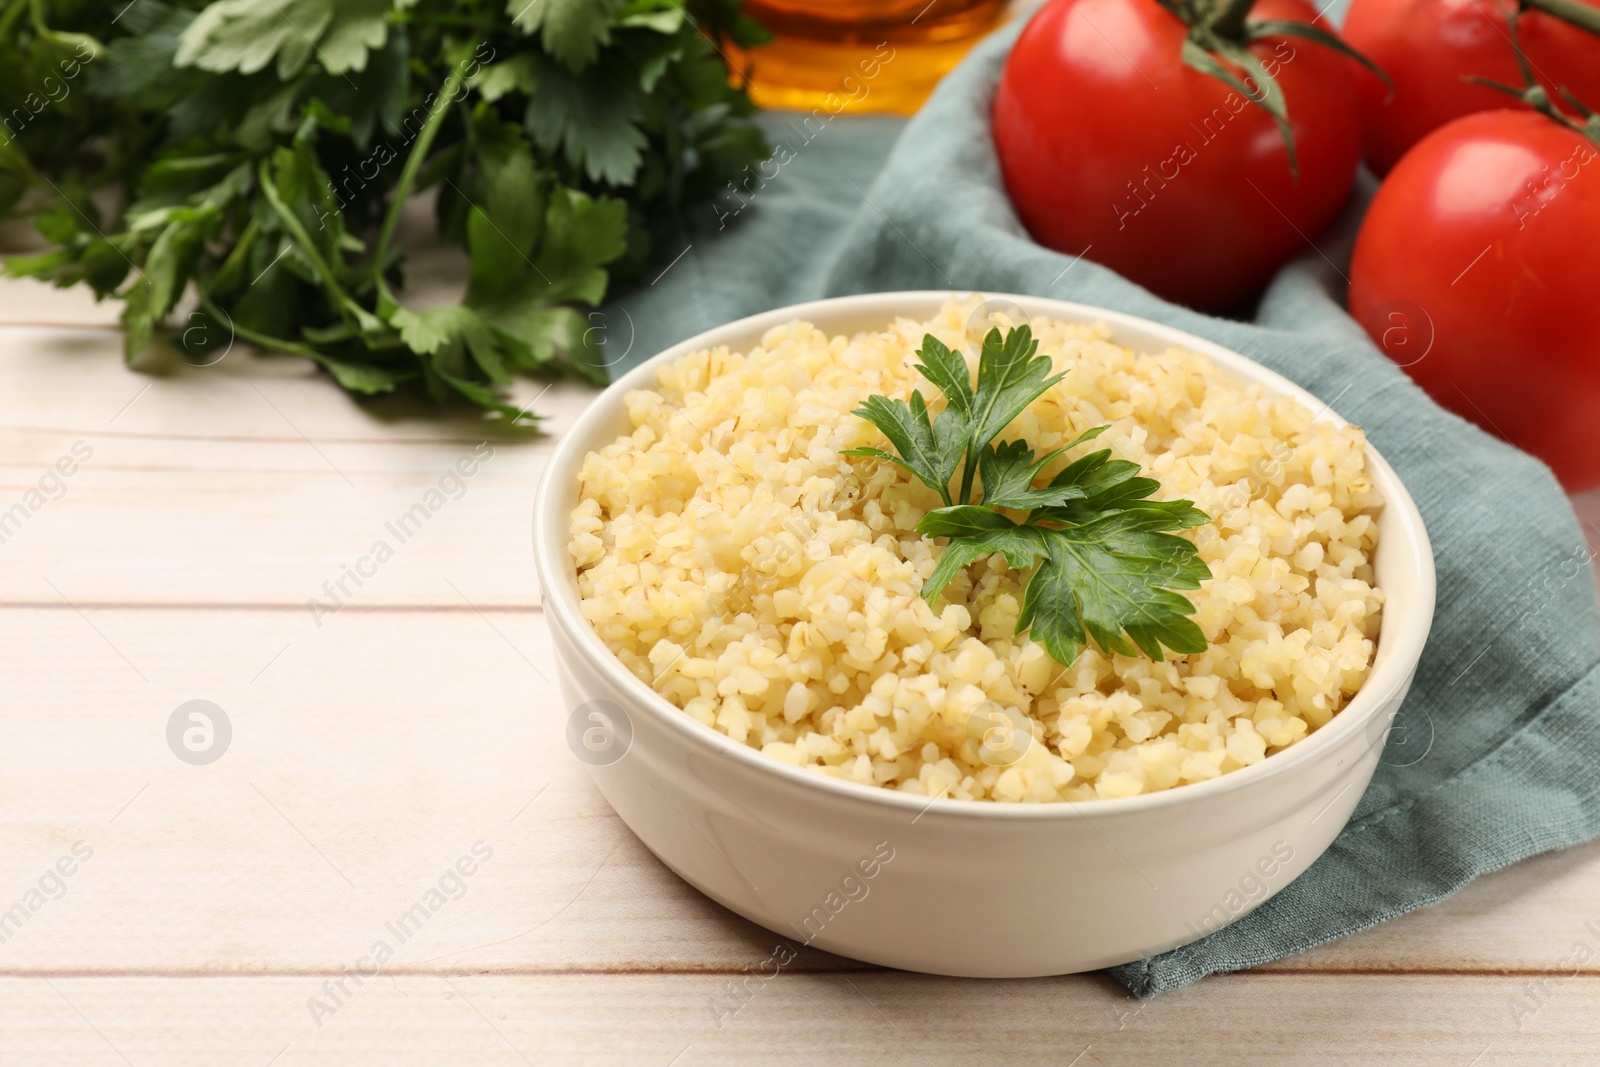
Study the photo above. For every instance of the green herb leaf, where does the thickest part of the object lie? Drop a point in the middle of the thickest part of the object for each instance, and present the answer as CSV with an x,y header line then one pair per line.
x,y
519,74
923,452
1111,577
978,525
362,378
948,371
1010,377
1108,567
157,287
963,520
1021,544
1008,471
592,118
572,30
246,35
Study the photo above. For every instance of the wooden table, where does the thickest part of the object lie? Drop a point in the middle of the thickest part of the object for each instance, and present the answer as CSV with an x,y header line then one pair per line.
x,y
373,746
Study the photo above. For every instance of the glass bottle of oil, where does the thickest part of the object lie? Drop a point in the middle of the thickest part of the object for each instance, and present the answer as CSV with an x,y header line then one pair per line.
x,y
859,55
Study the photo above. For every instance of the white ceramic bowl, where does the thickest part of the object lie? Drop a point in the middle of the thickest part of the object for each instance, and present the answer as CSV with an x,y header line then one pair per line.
x,y
972,888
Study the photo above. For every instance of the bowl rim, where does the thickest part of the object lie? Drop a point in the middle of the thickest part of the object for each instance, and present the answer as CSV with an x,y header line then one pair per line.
x,y
550,543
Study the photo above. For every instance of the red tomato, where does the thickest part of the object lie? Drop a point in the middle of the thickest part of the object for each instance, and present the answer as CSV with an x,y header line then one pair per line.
x,y
1476,268
1429,46
1111,145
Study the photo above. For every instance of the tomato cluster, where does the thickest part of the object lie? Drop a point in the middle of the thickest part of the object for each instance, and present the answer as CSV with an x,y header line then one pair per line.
x,y
1477,261
1199,175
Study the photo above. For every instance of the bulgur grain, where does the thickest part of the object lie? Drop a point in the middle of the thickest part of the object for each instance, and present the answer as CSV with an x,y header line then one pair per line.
x,y
731,558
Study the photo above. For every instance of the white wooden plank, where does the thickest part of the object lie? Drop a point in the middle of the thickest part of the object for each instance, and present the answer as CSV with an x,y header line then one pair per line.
x,y
75,381
366,758
254,482
370,754
250,536
26,302
885,1017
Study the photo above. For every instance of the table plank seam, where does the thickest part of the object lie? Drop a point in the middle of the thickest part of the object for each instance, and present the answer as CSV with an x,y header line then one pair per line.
x,y
727,969
532,437
404,608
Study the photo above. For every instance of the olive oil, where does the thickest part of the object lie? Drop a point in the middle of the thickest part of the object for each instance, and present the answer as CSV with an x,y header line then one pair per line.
x,y
858,55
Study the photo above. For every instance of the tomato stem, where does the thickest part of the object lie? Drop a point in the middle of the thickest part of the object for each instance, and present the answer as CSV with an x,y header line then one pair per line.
x,y
1228,19
1218,45
1575,12
1534,94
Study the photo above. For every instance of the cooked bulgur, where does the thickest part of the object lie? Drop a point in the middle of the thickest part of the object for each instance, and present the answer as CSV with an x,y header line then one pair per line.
x,y
734,560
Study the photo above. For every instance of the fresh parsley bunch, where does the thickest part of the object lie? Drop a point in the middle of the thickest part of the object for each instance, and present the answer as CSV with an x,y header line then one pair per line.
x,y
1107,566
260,152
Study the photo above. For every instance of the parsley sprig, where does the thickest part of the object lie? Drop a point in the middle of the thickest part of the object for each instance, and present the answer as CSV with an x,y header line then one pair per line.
x,y
259,154
1108,567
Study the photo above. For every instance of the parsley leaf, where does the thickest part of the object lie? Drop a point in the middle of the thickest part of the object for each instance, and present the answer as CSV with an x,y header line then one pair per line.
x,y
1010,377
973,537
929,450
1115,575
1008,471
572,30
592,118
246,35
948,371
1108,568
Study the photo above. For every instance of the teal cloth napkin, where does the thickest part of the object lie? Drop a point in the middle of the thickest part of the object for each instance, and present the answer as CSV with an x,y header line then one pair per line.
x,y
1493,756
